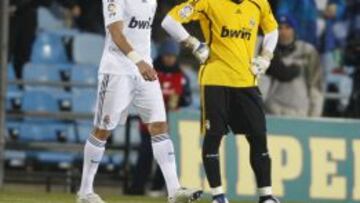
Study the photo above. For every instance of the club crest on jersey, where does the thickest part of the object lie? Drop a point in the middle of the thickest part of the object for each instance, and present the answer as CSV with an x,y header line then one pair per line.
x,y
186,12
252,23
112,10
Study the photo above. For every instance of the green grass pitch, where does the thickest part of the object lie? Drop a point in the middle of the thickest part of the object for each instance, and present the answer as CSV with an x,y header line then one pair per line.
x,y
29,197
12,196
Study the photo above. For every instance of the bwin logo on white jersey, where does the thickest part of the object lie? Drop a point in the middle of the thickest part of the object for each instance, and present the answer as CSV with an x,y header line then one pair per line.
x,y
140,24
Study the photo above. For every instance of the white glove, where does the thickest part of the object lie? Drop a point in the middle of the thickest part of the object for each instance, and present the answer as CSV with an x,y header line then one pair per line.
x,y
200,50
260,65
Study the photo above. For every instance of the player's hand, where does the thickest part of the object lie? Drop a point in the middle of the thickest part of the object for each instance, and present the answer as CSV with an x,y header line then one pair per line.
x,y
200,50
147,72
260,65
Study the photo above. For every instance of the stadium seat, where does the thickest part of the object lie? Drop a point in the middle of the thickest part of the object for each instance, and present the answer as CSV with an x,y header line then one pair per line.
x,y
48,48
117,159
66,32
47,21
88,48
45,131
14,98
13,130
64,71
36,131
15,159
84,129
118,137
63,99
63,160
64,132
39,101
10,72
41,72
84,74
84,100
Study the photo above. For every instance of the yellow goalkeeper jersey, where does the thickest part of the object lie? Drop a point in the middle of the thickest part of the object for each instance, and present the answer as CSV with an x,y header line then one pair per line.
x,y
231,30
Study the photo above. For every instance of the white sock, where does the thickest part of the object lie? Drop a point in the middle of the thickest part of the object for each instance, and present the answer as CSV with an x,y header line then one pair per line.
x,y
217,191
165,156
93,153
265,191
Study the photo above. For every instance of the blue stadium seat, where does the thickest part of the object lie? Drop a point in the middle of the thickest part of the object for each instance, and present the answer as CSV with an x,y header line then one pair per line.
x,y
10,72
63,99
66,32
13,130
41,72
84,129
37,131
84,74
39,101
48,48
118,137
84,100
64,70
92,43
15,159
14,98
62,159
47,21
117,159
64,132
105,160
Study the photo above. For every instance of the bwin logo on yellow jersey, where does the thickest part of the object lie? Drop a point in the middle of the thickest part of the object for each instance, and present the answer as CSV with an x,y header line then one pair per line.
x,y
231,33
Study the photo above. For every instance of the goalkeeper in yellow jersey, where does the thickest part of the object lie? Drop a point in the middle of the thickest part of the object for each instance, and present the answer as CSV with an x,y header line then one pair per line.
x,y
228,77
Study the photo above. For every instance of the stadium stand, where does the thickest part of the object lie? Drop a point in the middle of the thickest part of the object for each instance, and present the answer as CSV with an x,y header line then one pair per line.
x,y
92,43
48,48
50,110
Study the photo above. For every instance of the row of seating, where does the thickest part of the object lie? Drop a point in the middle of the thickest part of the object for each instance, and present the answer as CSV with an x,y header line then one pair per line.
x,y
85,74
61,160
58,55
59,48
47,99
64,131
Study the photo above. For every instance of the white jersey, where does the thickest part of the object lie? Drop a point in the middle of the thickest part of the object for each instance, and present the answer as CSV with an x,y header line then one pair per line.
x,y
137,16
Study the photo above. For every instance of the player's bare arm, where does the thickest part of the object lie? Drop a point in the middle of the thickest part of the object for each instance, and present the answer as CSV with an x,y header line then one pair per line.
x,y
116,31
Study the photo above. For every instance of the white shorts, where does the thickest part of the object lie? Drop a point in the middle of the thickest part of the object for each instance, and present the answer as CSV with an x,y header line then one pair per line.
x,y
116,93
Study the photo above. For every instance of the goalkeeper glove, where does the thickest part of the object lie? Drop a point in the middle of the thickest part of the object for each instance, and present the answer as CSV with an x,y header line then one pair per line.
x,y
200,50
261,63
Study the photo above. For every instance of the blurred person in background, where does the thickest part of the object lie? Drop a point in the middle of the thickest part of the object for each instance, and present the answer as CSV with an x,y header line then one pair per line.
x,y
296,76
177,93
331,33
305,13
23,24
23,27
86,15
352,53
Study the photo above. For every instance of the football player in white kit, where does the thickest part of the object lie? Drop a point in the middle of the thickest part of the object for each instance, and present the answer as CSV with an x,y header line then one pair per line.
x,y
126,77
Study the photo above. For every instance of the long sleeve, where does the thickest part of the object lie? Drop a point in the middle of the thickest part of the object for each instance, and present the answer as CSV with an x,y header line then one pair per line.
x,y
315,83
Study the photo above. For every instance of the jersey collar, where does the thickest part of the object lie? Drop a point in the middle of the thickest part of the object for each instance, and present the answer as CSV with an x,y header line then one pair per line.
x,y
237,1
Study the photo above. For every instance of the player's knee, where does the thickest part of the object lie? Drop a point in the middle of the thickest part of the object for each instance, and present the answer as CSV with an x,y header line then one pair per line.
x,y
101,134
157,128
